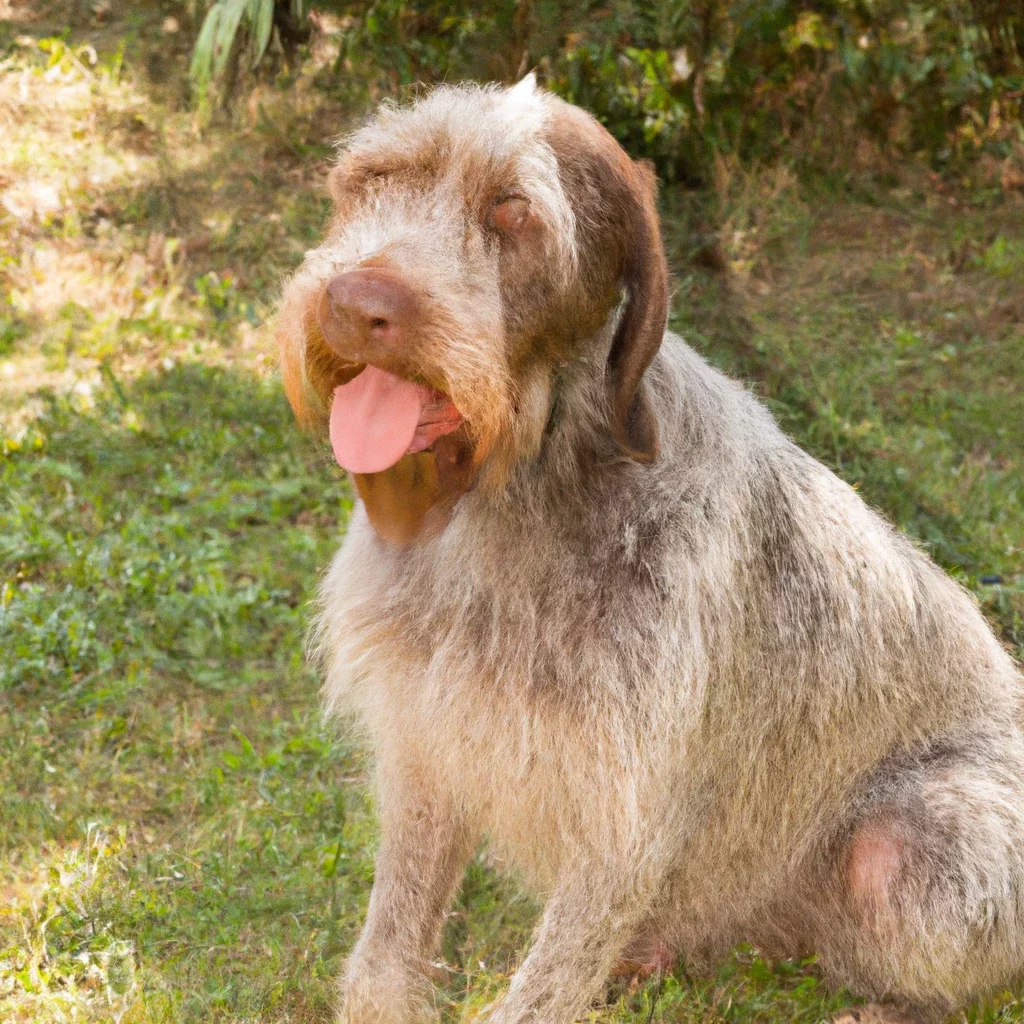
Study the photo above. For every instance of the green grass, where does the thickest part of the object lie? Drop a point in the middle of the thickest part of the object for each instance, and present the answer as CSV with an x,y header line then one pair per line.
x,y
184,839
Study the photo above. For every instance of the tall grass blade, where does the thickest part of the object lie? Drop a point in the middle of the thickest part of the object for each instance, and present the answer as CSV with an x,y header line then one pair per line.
x,y
227,30
261,15
202,56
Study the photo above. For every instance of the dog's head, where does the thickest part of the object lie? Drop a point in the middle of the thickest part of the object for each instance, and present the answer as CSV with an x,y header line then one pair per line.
x,y
480,238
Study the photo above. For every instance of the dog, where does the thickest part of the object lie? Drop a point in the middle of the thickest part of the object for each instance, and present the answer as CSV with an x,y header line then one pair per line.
x,y
595,607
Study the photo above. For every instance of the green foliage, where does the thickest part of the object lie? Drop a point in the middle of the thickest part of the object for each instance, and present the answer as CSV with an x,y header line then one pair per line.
x,y
102,581
632,91
226,23
411,43
681,81
1005,256
12,328
764,80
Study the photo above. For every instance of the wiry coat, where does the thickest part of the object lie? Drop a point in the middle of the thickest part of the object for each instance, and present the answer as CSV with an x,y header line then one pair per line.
x,y
707,698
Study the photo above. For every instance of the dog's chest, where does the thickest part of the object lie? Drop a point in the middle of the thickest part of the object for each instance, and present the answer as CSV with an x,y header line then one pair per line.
x,y
524,689
534,772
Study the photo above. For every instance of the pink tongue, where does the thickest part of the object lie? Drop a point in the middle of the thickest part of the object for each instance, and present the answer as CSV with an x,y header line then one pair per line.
x,y
373,419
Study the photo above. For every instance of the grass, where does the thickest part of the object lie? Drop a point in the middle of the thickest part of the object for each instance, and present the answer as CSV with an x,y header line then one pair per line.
x,y
184,839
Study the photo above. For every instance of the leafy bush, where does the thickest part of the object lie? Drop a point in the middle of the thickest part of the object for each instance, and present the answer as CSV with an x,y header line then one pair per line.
x,y
227,24
680,81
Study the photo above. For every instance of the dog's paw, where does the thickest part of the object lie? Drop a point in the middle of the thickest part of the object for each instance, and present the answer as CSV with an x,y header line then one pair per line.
x,y
646,955
383,994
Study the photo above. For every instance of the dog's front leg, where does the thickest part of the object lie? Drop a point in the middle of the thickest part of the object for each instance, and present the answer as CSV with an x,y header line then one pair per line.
x,y
424,849
586,924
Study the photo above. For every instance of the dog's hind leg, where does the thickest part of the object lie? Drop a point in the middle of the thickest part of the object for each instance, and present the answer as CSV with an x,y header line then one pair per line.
x,y
927,884
424,849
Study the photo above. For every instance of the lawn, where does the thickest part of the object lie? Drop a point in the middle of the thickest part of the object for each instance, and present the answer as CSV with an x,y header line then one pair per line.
x,y
184,839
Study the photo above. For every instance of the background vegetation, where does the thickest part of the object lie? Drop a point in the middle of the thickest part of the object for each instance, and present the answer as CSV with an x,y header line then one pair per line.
x,y
183,840
831,84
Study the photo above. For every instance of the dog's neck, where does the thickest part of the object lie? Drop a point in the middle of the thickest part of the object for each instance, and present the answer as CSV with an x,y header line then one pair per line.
x,y
578,407
577,452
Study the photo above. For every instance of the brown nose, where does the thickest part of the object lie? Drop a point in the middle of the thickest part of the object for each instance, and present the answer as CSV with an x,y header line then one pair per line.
x,y
366,313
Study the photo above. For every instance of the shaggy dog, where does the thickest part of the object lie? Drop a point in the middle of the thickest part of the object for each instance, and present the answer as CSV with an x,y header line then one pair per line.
x,y
594,606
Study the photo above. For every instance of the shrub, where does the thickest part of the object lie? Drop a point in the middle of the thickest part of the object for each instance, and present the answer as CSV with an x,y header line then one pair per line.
x,y
678,82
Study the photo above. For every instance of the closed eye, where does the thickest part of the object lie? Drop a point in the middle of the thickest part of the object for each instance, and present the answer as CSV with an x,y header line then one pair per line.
x,y
509,213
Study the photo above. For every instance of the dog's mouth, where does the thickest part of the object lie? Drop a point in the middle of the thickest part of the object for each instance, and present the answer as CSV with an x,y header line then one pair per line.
x,y
378,418
409,451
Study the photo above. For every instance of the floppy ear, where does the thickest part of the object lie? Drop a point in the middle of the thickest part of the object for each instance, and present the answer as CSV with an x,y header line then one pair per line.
x,y
641,326
614,201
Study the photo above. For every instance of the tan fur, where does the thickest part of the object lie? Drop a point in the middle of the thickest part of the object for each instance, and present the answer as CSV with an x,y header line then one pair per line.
x,y
688,686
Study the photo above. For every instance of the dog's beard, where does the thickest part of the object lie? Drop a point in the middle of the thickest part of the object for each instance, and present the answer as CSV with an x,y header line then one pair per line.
x,y
413,499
